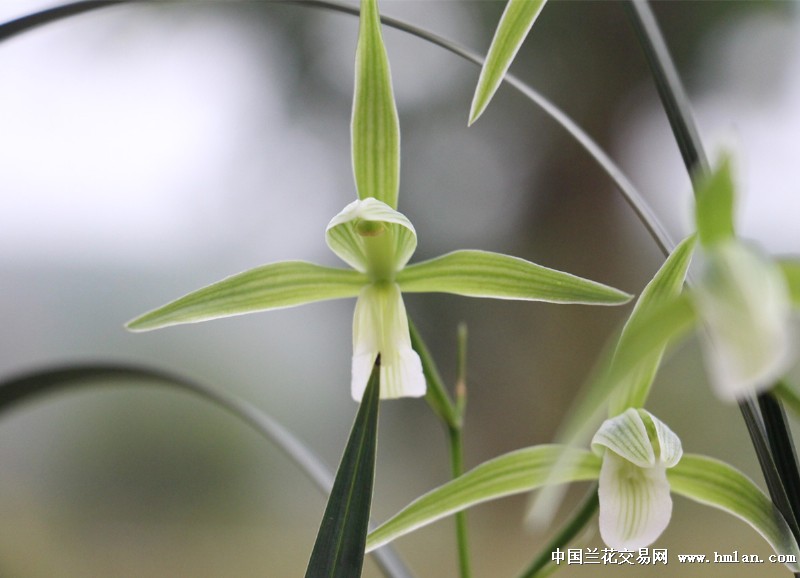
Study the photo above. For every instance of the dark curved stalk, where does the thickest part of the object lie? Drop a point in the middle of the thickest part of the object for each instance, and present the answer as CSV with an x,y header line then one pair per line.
x,y
772,441
31,21
32,385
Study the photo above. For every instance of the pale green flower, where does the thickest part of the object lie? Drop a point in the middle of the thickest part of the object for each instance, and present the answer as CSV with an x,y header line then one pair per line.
x,y
743,300
377,242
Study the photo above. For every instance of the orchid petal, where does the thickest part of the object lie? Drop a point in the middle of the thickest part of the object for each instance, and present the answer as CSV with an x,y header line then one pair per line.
x,y
380,327
635,504
375,128
745,304
347,236
273,286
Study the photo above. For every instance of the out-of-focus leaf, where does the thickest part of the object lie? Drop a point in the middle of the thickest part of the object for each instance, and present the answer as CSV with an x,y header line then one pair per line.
x,y
509,474
273,286
721,486
339,548
633,388
485,274
714,205
791,271
513,28
375,127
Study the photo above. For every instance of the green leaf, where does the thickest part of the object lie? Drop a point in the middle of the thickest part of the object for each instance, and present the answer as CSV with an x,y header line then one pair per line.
x,y
791,272
273,286
375,127
634,387
519,471
485,274
714,205
516,22
339,548
719,485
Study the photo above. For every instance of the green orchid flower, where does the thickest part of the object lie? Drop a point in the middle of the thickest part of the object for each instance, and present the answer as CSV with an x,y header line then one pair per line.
x,y
743,299
638,463
377,241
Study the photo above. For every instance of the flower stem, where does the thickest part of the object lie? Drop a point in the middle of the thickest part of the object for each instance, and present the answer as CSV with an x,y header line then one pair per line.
x,y
452,415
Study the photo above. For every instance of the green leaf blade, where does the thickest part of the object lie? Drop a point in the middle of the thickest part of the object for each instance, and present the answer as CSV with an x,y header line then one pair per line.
x,y
339,548
633,389
512,473
714,205
485,274
514,26
375,128
715,483
273,286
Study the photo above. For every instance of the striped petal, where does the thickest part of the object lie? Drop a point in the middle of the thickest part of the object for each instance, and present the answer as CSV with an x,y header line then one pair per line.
x,y
635,502
372,237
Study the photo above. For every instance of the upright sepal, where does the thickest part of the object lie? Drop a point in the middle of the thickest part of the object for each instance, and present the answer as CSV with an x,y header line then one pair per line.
x,y
515,23
375,127
714,205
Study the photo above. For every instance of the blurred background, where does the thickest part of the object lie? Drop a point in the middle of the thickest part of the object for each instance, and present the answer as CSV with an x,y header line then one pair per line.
x,y
148,150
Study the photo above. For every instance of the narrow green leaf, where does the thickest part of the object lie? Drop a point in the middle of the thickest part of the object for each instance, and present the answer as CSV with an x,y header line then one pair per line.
x,y
632,389
655,328
721,486
273,286
515,23
714,205
485,274
791,272
519,471
339,548
375,127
